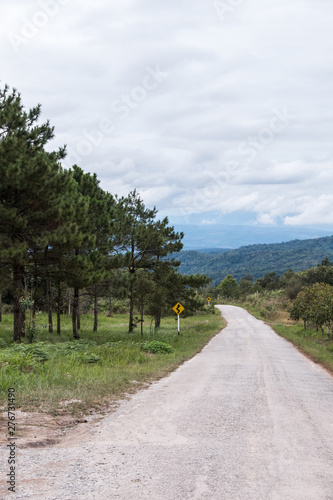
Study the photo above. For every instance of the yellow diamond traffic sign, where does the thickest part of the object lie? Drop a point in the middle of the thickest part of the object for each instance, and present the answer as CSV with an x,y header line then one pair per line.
x,y
209,299
178,308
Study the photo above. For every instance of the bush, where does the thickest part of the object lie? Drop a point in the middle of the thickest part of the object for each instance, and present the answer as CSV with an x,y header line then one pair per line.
x,y
314,305
3,343
7,309
25,358
91,358
79,345
155,347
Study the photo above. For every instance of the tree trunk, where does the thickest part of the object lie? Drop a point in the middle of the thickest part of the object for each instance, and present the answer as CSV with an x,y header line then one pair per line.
x,y
59,309
158,320
18,282
131,311
96,309
141,320
159,310
49,303
75,313
69,301
34,306
110,305
78,312
131,290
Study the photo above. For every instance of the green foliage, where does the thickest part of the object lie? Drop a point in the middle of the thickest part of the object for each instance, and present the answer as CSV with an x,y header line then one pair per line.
x,y
145,242
82,351
35,192
3,343
271,281
91,358
24,357
30,327
38,350
314,305
228,287
155,347
267,305
79,345
245,286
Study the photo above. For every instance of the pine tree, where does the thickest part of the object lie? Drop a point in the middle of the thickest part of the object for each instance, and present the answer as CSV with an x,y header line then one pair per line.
x,y
93,253
147,242
31,191
136,228
166,242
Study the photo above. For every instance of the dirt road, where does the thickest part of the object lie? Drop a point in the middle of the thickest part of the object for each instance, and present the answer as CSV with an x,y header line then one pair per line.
x,y
247,418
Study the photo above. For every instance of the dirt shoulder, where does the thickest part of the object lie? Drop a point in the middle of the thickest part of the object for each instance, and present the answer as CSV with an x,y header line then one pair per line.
x,y
39,429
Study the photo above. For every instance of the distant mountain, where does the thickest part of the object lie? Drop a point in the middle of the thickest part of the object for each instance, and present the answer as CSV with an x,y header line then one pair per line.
x,y
257,260
221,236
214,251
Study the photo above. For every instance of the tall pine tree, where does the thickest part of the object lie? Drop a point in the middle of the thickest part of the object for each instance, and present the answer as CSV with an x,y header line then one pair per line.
x,y
32,190
136,243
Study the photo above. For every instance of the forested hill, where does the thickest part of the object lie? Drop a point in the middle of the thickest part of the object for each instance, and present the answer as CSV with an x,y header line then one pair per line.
x,y
257,260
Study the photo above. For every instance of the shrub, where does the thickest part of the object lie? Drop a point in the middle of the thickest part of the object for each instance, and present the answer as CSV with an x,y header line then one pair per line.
x,y
3,343
314,305
155,346
24,358
79,345
91,358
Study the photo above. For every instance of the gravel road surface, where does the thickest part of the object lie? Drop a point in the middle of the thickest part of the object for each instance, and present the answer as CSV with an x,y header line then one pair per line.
x,y
247,418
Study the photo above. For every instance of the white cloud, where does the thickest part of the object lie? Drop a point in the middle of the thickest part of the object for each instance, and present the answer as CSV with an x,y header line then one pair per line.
x,y
266,219
316,210
208,222
212,115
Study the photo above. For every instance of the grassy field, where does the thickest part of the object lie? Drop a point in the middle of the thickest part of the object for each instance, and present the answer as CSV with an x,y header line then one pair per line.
x,y
98,368
273,308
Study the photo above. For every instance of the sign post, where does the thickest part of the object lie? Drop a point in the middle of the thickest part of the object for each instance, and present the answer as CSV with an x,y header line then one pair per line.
x,y
178,308
208,300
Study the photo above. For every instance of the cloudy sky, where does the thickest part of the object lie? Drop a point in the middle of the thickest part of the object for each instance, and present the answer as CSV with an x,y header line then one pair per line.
x,y
217,108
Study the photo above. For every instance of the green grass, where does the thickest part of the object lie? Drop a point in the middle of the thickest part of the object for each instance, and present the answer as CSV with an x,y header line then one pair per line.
x,y
98,368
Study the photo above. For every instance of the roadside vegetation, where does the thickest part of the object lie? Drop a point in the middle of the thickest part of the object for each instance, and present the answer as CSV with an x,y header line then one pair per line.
x,y
56,372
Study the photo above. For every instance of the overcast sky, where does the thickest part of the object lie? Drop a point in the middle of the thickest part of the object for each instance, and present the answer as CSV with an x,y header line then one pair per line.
x,y
219,108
